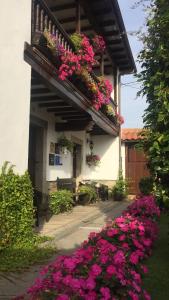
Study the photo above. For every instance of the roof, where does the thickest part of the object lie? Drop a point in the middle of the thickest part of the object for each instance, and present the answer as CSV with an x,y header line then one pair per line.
x,y
131,134
104,18
108,21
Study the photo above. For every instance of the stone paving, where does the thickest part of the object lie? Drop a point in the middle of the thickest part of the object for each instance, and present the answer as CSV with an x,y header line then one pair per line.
x,y
68,230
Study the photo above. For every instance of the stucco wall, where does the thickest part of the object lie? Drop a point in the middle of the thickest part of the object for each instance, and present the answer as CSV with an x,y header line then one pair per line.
x,y
15,24
107,148
65,170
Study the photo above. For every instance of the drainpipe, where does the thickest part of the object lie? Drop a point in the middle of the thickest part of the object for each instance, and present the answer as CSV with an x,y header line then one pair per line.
x,y
119,111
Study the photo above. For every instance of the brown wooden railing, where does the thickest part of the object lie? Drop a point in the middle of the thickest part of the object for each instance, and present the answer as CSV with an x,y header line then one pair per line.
x,y
42,18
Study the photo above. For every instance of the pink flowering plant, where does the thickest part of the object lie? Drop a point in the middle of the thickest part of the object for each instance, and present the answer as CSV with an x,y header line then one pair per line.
x,y
80,64
109,265
119,118
93,160
99,44
53,43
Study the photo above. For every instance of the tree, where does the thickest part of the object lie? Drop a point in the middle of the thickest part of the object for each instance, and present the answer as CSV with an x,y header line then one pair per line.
x,y
154,76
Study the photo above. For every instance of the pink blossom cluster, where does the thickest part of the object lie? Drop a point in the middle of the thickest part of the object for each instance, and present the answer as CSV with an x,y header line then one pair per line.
x,y
120,118
86,54
103,94
109,265
93,159
73,62
70,64
81,63
99,44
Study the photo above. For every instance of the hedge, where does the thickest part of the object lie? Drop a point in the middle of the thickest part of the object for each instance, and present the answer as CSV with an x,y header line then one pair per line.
x,y
16,208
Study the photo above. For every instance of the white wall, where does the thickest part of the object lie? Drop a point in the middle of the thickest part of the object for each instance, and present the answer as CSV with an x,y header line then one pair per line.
x,y
65,170
15,24
107,148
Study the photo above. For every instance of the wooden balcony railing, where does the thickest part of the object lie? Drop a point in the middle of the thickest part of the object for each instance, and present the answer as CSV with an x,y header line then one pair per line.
x,y
42,18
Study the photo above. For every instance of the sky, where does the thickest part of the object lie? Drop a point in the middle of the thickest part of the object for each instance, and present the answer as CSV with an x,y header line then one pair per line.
x,y
132,108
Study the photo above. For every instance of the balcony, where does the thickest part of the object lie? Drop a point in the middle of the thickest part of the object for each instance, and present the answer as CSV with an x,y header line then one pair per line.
x,y
71,93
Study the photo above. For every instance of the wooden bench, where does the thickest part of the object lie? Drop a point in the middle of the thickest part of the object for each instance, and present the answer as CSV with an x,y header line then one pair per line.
x,y
66,184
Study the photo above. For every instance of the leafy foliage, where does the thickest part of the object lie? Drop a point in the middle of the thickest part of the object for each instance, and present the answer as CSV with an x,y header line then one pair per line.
x,y
89,191
119,190
146,185
16,207
65,143
155,86
61,201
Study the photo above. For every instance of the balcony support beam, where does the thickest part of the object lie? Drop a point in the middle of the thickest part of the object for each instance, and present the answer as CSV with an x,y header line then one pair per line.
x,y
78,16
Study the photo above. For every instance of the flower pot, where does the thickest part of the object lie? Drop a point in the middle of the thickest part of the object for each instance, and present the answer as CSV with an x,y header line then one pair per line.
x,y
118,197
84,199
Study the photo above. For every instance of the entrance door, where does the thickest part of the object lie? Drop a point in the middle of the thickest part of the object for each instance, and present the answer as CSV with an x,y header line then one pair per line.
x,y
35,162
77,160
136,168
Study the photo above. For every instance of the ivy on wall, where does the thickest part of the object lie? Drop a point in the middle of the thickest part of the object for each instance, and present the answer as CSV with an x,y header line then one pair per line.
x,y
154,76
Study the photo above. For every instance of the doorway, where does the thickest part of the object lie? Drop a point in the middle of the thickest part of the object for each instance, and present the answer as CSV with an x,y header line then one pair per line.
x,y
136,167
35,164
77,160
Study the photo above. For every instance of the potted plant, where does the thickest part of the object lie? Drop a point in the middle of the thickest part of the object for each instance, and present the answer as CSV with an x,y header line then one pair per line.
x,y
93,160
87,194
119,190
65,145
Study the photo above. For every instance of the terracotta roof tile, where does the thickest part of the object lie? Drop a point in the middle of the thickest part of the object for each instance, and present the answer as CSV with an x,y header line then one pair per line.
x,y
128,134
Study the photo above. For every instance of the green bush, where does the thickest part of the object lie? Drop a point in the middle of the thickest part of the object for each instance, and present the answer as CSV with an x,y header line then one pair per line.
x,y
16,208
119,190
89,192
146,185
61,201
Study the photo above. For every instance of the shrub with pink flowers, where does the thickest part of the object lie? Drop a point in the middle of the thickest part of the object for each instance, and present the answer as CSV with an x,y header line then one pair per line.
x,y
80,64
109,265
120,118
98,44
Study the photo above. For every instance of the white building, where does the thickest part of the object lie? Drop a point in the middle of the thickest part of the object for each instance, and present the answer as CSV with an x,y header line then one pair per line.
x,y
37,107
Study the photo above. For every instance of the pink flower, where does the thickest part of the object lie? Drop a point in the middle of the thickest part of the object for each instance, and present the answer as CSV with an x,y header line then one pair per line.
x,y
112,232
146,295
134,258
119,258
122,237
95,270
133,296
111,270
57,276
70,263
90,283
62,297
105,291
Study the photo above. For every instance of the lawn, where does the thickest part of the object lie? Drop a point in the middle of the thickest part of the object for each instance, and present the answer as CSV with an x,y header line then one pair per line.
x,y
157,280
19,258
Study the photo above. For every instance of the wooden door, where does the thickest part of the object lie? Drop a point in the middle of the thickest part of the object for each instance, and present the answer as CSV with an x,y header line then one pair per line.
x,y
136,168
77,160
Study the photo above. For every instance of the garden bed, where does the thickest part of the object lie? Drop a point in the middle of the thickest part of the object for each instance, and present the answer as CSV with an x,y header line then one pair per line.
x,y
107,266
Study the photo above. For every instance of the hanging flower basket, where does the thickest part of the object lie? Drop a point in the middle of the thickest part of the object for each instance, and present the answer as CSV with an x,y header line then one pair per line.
x,y
65,145
93,160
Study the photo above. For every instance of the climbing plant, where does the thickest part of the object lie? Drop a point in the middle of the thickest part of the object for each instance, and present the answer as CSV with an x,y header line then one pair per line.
x,y
154,59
